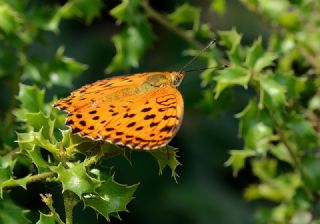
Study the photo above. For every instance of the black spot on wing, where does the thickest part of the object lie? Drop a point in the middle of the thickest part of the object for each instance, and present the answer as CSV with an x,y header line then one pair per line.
x,y
131,124
167,128
147,109
147,117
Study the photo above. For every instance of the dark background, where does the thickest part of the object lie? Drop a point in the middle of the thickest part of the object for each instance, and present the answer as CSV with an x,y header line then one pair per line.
x,y
206,191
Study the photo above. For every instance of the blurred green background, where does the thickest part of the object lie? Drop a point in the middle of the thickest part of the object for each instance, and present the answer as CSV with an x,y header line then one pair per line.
x,y
206,191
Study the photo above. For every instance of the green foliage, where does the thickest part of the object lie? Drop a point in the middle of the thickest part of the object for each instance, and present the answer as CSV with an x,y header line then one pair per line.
x,y
279,125
134,39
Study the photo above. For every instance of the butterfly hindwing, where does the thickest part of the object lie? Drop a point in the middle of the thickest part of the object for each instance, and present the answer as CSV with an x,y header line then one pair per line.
x,y
145,122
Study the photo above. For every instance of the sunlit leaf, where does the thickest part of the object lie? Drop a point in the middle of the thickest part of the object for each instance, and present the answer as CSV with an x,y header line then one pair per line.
x,y
76,179
275,92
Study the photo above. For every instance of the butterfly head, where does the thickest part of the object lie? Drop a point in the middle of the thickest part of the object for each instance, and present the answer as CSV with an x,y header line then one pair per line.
x,y
176,78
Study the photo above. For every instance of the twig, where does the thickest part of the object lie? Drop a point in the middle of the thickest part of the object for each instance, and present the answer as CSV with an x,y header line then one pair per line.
x,y
14,84
30,179
310,58
165,23
290,148
47,199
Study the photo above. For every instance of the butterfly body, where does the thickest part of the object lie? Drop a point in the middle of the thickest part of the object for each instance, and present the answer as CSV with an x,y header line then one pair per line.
x,y
140,111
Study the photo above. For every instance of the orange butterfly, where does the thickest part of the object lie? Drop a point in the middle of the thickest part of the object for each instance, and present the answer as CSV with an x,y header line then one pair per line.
x,y
140,111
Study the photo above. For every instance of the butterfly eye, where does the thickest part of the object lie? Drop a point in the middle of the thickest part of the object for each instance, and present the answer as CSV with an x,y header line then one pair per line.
x,y
176,81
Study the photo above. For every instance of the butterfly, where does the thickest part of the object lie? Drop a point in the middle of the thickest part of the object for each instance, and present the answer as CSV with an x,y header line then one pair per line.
x,y
141,111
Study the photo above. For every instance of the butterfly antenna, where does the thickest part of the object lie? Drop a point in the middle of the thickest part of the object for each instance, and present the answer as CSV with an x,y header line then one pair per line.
x,y
197,56
202,69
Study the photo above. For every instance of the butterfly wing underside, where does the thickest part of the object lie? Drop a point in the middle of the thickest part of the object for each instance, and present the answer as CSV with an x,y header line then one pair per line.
x,y
144,121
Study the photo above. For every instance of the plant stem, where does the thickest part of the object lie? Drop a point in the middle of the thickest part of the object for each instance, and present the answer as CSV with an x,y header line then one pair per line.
x,y
47,199
30,179
70,200
279,129
165,23
14,84
312,59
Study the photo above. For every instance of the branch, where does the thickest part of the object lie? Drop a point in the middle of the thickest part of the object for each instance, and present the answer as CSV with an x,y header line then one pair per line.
x,y
168,25
30,179
47,199
279,129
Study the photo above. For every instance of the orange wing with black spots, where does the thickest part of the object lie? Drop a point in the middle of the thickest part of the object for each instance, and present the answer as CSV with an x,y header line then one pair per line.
x,y
115,112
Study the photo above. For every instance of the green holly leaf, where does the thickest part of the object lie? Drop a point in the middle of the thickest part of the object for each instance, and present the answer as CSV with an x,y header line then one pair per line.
x,y
10,20
36,157
10,213
237,159
256,128
230,39
264,61
110,198
229,77
81,8
62,70
314,103
46,219
218,6
31,99
301,131
311,172
185,14
280,151
254,53
265,169
205,31
6,167
275,93
27,140
290,20
130,44
167,156
22,182
76,179
39,121
294,85
127,11
277,189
